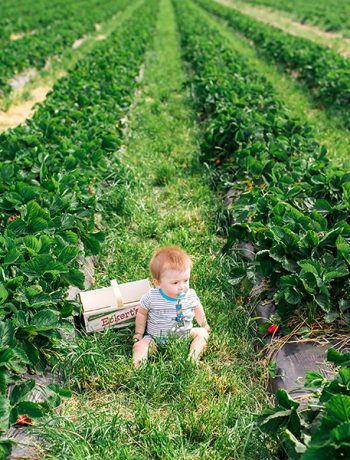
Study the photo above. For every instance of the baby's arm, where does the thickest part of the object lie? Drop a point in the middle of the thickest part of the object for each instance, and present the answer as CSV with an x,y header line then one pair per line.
x,y
201,318
140,323
199,335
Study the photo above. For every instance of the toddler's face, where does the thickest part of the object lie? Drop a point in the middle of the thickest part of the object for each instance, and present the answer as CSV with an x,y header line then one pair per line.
x,y
174,282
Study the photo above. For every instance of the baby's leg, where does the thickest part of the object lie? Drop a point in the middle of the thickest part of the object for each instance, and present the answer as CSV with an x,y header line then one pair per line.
x,y
141,349
200,338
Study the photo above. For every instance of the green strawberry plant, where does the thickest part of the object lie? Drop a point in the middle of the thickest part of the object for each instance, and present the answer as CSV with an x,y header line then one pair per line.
x,y
55,30
16,355
292,205
329,14
321,427
325,72
290,202
52,173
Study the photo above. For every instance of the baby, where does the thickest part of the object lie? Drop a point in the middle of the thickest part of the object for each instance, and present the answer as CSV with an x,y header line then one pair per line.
x,y
169,308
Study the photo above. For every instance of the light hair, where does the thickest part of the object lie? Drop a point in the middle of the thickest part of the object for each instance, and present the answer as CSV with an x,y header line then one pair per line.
x,y
169,258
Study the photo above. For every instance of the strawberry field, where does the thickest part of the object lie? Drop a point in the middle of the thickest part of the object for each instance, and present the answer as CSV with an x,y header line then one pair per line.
x,y
330,15
46,35
174,127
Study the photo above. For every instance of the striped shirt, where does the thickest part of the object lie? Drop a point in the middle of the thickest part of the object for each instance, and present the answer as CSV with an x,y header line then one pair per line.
x,y
162,316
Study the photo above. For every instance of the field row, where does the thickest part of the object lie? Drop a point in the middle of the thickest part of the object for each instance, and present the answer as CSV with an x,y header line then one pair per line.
x,y
287,200
26,16
50,190
33,50
292,204
329,14
323,71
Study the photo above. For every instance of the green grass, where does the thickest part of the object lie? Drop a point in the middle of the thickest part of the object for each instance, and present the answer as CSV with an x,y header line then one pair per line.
x,y
170,408
328,126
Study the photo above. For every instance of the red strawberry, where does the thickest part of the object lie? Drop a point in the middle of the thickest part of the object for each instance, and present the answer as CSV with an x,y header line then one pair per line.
x,y
273,328
217,162
11,218
91,190
23,420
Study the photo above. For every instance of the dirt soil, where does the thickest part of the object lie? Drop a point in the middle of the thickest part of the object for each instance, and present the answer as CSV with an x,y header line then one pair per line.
x,y
17,36
18,113
79,42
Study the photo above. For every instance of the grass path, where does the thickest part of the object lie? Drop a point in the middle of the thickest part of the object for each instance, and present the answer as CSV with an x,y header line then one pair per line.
x,y
171,408
328,127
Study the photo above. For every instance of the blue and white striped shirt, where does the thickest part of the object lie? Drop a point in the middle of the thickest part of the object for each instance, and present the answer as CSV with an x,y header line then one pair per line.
x,y
162,318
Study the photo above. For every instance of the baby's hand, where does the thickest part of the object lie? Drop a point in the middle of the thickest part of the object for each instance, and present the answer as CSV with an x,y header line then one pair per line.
x,y
206,327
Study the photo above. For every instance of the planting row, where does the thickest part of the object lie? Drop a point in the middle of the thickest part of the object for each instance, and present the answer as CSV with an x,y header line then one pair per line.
x,y
50,176
326,73
289,202
33,50
293,207
328,14
25,16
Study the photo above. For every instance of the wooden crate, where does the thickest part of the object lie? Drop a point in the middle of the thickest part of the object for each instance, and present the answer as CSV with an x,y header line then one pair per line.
x,y
115,306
